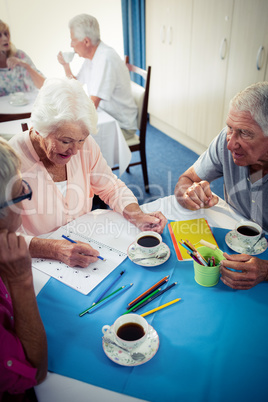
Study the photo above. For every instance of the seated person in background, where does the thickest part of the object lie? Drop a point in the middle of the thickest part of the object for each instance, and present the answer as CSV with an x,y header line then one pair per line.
x,y
104,72
65,168
239,154
23,351
17,71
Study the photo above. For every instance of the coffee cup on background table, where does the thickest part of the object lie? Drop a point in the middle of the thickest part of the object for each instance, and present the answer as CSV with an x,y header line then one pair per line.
x,y
17,98
248,233
129,330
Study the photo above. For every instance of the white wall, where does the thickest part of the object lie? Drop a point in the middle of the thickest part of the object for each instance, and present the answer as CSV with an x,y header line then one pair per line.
x,y
40,27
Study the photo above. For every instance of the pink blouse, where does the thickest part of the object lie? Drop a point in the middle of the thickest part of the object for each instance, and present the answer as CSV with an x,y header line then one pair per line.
x,y
87,174
16,373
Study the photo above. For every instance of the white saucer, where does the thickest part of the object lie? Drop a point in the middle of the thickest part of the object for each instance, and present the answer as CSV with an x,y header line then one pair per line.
x,y
232,242
133,253
16,103
148,348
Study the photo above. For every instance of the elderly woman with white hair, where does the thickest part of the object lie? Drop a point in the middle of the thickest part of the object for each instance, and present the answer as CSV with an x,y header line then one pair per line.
x,y
23,351
65,168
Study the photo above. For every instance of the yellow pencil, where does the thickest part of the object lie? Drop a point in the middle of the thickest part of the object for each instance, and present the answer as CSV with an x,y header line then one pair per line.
x,y
160,307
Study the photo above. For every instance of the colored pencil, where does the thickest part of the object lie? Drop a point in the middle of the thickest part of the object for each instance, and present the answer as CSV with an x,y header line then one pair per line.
x,y
186,247
89,308
145,302
160,307
72,241
101,303
109,287
150,290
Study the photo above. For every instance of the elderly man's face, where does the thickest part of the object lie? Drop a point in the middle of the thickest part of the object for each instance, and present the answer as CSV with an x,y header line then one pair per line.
x,y
245,139
78,45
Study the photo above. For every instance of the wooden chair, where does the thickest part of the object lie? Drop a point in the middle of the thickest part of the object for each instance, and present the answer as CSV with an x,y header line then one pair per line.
x,y
24,126
141,96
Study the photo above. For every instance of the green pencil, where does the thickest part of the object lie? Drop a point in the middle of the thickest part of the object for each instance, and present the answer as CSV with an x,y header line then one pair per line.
x,y
143,300
94,304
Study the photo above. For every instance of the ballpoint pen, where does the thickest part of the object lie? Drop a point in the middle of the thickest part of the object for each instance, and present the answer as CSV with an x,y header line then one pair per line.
x,y
72,241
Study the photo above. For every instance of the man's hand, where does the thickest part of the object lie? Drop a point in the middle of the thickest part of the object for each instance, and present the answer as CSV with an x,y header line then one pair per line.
x,y
197,195
249,271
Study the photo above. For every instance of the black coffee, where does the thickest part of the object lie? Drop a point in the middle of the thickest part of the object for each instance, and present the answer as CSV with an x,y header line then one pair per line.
x,y
130,331
248,230
148,241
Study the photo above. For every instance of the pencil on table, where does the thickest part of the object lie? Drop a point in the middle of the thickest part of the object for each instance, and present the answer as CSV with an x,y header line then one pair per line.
x,y
160,307
148,291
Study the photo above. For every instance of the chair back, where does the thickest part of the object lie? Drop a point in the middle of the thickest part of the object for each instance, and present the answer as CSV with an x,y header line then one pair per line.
x,y
141,96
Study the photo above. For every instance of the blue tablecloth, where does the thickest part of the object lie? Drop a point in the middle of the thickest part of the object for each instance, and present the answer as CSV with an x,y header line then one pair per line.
x,y
213,343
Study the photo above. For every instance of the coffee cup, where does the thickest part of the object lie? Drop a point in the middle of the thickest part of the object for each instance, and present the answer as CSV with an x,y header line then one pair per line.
x,y
68,56
248,233
148,243
128,331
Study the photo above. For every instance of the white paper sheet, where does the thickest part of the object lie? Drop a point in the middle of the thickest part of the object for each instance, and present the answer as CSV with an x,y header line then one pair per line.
x,y
102,234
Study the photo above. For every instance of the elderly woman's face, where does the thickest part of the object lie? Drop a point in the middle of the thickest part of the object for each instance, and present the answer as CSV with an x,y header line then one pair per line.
x,y
66,141
4,40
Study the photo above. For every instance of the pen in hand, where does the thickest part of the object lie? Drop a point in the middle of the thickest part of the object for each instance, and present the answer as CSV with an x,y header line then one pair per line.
x,y
72,241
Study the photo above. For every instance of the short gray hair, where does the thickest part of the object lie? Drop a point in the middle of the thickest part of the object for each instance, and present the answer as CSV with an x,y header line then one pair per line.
x,y
254,99
10,165
85,26
60,101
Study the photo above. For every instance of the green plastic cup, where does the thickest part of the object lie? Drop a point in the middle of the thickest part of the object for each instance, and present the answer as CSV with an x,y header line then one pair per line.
x,y
208,276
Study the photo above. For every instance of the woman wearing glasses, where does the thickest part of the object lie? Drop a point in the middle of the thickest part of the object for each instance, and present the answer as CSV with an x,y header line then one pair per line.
x,y
23,351
65,168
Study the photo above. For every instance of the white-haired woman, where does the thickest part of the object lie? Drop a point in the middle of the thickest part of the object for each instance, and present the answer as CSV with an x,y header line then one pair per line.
x,y
23,351
17,71
65,168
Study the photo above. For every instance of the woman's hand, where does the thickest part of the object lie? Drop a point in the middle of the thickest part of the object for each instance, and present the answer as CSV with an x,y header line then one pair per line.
x,y
15,259
15,61
75,254
249,271
155,221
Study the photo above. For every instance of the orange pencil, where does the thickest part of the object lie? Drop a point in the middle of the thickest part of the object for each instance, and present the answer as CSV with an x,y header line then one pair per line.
x,y
151,289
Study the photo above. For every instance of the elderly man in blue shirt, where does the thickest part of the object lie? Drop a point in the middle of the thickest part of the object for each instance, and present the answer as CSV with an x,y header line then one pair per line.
x,y
239,154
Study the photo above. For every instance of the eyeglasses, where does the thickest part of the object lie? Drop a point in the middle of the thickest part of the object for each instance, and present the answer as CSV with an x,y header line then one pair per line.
x,y
26,195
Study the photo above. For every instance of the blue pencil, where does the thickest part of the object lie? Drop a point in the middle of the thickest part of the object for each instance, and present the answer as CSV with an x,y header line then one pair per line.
x,y
124,288
109,287
72,241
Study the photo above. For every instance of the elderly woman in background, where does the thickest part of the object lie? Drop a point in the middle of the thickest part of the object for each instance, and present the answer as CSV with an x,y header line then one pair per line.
x,y
65,168
23,351
17,71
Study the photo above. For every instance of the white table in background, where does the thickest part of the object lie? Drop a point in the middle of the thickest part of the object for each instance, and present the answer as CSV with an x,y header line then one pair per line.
x,y
7,108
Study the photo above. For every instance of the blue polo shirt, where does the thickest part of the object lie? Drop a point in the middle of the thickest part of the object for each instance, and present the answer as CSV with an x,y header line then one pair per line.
x,y
246,197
